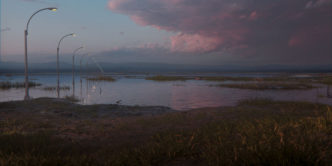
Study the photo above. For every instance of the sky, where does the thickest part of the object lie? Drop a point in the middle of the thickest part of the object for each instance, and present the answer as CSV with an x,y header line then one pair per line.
x,y
205,32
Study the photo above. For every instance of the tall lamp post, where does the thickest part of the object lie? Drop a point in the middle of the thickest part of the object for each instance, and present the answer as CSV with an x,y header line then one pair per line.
x,y
26,79
57,63
73,68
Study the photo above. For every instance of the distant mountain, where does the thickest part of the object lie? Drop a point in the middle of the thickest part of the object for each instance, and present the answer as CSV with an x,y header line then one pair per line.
x,y
14,67
50,67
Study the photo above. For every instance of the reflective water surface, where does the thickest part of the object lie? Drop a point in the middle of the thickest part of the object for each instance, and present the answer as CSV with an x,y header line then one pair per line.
x,y
135,90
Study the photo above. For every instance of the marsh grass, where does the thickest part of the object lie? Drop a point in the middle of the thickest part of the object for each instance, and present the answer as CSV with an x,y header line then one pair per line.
x,y
299,82
102,78
285,79
224,78
325,80
167,78
53,88
8,85
270,86
256,132
275,79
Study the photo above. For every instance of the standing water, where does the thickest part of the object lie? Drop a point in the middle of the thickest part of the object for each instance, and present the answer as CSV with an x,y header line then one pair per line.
x,y
179,95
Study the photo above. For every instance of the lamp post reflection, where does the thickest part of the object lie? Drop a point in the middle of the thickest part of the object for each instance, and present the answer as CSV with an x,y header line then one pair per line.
x,y
73,69
81,88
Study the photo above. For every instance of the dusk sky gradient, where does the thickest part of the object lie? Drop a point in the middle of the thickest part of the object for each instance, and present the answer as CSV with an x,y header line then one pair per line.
x,y
209,32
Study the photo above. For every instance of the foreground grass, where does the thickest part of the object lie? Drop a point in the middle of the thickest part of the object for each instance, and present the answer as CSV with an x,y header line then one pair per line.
x,y
8,85
270,86
102,78
256,132
167,78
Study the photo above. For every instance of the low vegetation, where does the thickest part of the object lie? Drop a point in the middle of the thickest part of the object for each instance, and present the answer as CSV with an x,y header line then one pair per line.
x,y
299,82
325,80
102,78
8,85
225,78
255,132
270,86
167,78
53,88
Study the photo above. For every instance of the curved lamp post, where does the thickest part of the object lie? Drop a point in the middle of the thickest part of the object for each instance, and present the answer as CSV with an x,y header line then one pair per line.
x,y
73,68
26,79
57,62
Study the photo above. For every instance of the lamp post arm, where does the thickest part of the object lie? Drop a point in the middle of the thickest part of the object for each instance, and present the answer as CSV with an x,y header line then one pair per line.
x,y
63,38
27,26
74,53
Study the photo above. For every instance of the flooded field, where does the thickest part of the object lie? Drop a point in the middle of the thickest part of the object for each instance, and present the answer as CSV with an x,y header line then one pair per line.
x,y
179,95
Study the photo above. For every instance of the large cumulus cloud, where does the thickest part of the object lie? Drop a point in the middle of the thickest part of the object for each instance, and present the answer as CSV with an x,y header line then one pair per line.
x,y
246,27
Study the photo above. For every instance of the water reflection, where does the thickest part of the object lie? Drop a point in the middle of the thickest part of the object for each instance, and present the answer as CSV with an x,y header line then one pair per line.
x,y
178,95
328,91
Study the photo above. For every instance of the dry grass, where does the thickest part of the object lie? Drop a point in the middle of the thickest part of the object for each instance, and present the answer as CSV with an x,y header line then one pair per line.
x,y
256,132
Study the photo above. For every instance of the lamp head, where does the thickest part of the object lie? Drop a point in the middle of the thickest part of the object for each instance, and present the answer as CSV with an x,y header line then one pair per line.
x,y
53,9
73,34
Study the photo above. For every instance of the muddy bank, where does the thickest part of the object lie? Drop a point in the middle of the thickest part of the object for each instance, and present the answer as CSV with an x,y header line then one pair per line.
x,y
62,107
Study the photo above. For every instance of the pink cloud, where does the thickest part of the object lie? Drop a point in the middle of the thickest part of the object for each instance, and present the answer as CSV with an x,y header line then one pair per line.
x,y
194,43
309,36
259,27
253,16
318,3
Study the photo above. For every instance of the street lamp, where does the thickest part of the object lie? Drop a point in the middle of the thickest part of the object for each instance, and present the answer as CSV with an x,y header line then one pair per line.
x,y
73,68
57,62
26,79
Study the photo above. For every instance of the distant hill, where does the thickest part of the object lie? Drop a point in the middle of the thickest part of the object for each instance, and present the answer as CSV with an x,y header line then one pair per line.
x,y
50,67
